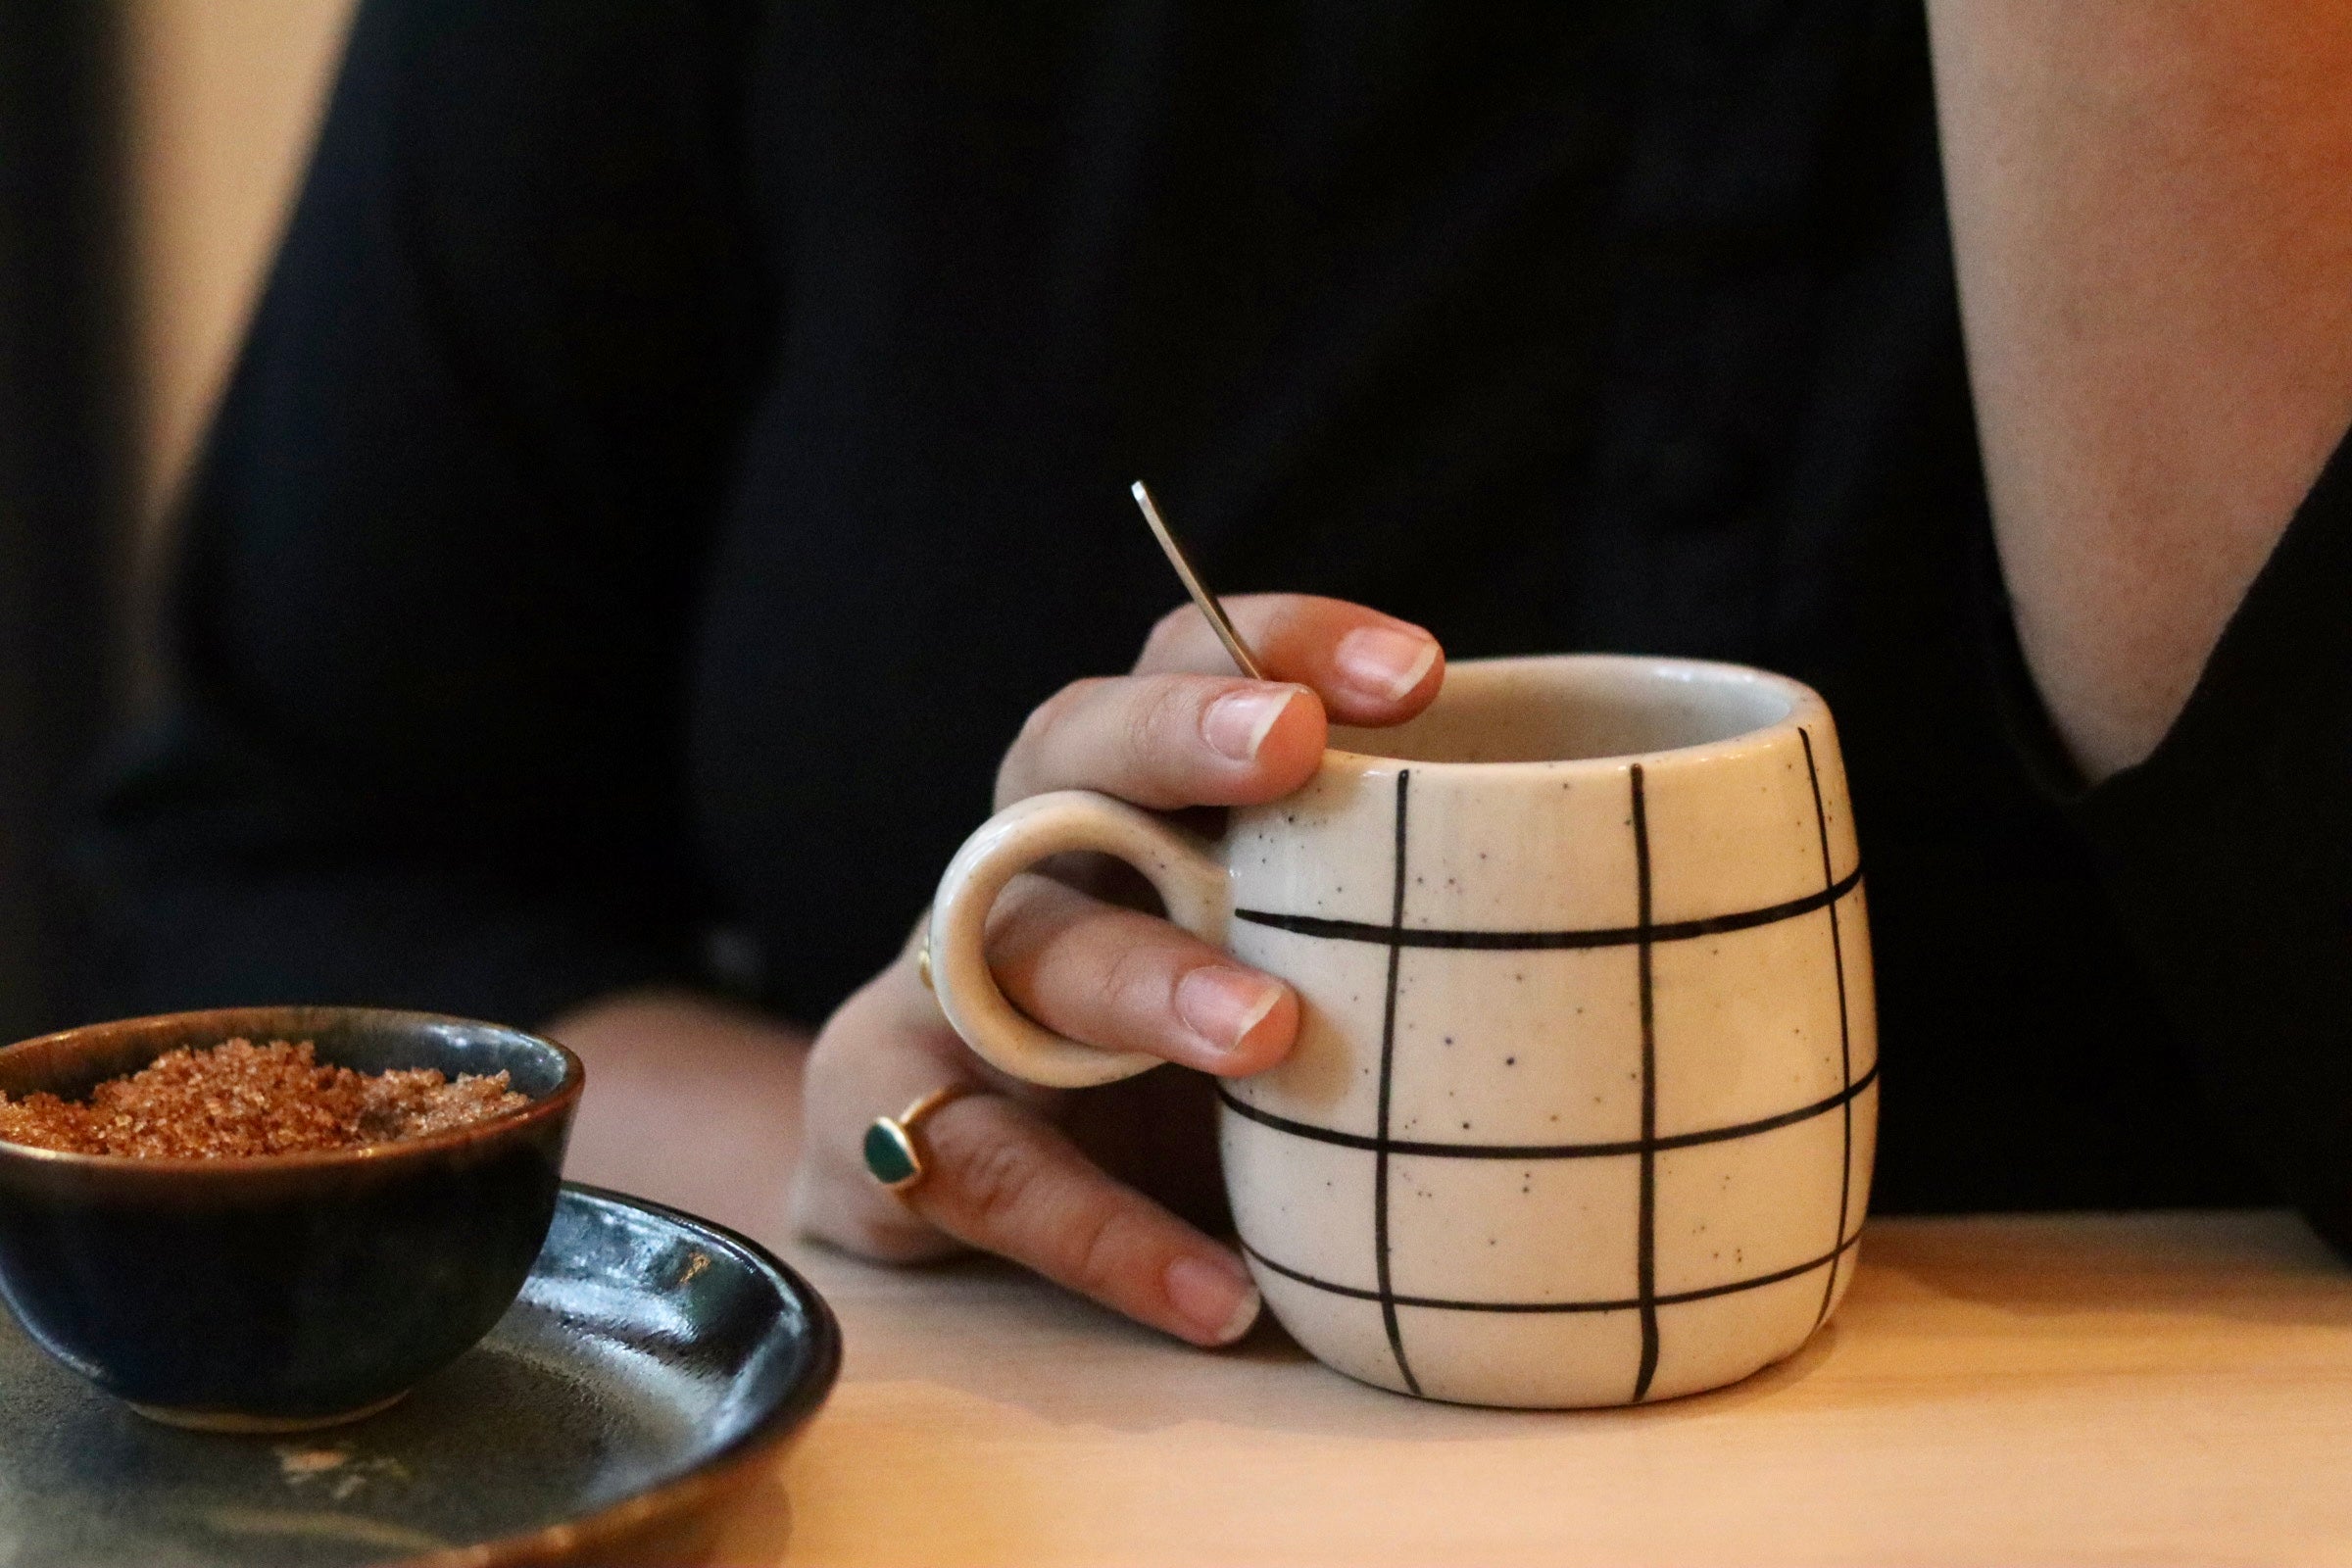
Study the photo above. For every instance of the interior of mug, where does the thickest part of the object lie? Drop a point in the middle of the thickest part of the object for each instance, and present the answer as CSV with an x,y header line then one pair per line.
x,y
1578,710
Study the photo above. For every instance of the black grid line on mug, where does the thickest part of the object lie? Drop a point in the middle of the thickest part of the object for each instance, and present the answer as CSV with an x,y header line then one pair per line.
x,y
1846,1034
1644,936
1623,1303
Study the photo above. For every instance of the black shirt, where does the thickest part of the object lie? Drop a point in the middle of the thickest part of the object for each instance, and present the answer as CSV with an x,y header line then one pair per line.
x,y
679,442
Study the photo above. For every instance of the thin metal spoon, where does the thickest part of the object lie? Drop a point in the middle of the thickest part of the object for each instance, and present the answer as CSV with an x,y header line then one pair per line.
x,y
1218,620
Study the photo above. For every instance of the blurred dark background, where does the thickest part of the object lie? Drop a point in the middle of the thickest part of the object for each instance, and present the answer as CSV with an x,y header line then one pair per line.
x,y
63,424
147,148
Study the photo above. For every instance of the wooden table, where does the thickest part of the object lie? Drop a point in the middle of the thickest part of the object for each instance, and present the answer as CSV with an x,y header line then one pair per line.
x,y
2163,1388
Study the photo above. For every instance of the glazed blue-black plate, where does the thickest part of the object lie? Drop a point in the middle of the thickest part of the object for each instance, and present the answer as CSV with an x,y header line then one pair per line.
x,y
647,1380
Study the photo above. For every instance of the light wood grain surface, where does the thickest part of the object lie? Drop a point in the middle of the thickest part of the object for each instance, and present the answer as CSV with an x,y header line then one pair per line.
x,y
2072,1389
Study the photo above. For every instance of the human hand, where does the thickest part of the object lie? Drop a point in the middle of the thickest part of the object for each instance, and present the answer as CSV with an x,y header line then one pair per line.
x,y
1105,1191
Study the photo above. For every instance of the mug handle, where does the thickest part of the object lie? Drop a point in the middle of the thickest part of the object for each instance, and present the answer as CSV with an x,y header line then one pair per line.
x,y
1178,864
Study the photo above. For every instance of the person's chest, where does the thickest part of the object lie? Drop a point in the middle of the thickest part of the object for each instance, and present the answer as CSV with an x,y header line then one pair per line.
x,y
1528,326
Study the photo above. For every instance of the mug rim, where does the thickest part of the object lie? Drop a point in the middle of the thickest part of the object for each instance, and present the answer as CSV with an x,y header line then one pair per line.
x,y
1805,705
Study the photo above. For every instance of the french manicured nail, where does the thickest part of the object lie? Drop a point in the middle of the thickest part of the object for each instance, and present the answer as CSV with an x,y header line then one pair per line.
x,y
1223,1004
1214,1295
1383,662
1236,723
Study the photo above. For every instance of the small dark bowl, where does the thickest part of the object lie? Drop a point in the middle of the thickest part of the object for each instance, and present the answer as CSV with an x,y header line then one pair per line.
x,y
281,1291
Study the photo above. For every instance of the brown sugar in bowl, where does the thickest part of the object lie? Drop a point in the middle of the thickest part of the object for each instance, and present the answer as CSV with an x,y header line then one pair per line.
x,y
277,1292
240,1098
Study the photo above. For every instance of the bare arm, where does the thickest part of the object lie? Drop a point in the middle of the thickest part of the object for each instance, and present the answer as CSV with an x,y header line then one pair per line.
x,y
691,1100
2151,207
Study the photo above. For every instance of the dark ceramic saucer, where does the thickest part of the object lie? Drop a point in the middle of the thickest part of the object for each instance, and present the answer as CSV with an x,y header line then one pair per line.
x,y
653,1370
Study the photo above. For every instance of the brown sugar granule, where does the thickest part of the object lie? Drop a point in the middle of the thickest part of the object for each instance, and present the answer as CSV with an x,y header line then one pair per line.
x,y
241,1098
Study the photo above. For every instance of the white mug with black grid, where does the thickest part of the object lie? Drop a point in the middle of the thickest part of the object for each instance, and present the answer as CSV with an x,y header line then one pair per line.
x,y
1584,1102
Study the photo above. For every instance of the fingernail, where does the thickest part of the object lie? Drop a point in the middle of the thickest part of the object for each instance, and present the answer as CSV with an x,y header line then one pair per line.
x,y
1214,1295
1236,723
1383,662
1223,1004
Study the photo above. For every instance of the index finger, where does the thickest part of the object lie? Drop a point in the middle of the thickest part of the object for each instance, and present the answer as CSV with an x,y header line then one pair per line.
x,y
1369,668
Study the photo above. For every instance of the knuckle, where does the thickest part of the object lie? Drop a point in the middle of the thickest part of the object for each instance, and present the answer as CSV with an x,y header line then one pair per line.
x,y
1135,977
1037,733
1166,633
1096,1243
1054,711
1287,620
997,1182
1163,712
1056,708
1031,912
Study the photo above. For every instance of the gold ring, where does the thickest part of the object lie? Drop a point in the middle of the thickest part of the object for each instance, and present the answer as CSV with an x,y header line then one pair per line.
x,y
922,947
894,1147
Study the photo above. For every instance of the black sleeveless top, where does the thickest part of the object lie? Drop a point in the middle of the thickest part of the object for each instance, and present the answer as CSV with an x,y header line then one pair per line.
x,y
680,441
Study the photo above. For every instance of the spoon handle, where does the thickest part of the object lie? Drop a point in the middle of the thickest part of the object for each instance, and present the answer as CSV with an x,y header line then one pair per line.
x,y
1218,620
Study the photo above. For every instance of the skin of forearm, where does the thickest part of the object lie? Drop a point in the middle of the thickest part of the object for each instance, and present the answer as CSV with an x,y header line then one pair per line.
x,y
692,1100
2151,206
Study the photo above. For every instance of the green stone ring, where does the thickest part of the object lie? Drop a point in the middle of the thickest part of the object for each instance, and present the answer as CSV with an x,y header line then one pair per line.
x,y
894,1153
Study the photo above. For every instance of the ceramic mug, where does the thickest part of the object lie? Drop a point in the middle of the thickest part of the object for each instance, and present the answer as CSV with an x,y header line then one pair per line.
x,y
1584,1098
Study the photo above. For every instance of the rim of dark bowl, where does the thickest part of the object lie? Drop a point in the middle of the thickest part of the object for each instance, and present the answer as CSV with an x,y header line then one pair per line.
x,y
553,1103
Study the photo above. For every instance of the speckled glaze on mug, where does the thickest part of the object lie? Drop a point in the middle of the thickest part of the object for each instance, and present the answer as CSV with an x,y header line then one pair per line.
x,y
1584,1102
